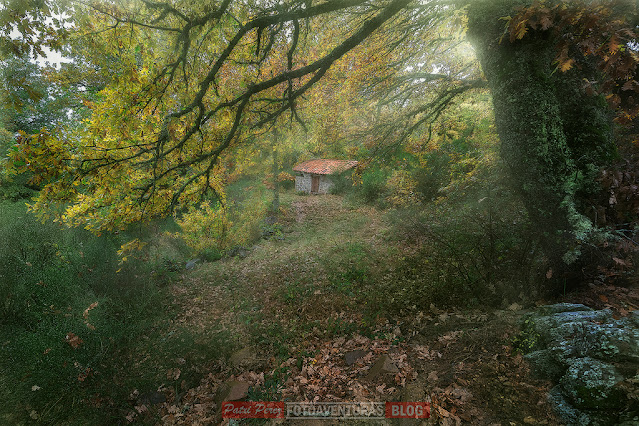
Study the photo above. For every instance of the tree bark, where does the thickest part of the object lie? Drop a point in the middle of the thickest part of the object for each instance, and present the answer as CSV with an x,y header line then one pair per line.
x,y
276,172
553,136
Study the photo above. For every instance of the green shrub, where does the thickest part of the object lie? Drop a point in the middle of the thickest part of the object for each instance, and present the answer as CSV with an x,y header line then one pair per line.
x,y
476,249
287,185
373,185
211,255
432,177
342,182
66,315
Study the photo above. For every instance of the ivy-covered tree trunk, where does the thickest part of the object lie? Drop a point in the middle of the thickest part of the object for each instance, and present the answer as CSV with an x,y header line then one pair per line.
x,y
554,137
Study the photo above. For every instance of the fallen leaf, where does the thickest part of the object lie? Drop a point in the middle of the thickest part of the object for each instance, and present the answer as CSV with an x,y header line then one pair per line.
x,y
173,373
443,412
620,262
74,341
85,314
566,65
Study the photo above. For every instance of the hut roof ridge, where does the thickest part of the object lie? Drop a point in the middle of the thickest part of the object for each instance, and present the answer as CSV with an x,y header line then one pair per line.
x,y
324,166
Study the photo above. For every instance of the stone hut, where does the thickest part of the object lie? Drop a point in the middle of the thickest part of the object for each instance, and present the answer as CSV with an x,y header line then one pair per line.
x,y
314,176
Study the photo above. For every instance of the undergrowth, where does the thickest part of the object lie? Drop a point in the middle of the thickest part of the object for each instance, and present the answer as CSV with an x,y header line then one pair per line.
x,y
72,327
475,249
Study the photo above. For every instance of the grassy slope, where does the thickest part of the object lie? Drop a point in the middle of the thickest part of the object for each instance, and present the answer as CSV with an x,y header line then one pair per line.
x,y
287,286
290,299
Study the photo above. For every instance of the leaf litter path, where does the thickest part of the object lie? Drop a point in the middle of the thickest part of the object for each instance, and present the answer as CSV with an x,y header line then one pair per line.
x,y
296,339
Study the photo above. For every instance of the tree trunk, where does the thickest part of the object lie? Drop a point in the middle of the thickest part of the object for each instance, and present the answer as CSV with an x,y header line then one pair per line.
x,y
554,137
276,172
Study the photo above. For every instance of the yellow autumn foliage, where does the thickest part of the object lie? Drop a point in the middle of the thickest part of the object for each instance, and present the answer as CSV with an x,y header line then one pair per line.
x,y
402,189
206,227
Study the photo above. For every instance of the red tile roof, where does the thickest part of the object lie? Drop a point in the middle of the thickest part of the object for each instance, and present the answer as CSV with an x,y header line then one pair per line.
x,y
324,167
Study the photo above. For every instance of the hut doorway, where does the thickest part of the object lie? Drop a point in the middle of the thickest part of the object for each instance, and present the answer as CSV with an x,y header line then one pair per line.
x,y
315,184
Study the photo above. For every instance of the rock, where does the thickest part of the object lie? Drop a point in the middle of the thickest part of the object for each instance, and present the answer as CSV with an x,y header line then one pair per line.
x,y
244,356
351,357
586,333
232,390
633,318
150,398
591,384
383,365
547,325
565,411
545,365
590,355
562,307
240,251
191,263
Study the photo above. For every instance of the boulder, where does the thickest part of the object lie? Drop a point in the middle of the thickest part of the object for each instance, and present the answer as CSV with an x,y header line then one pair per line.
x,y
191,263
351,357
545,364
382,366
232,390
591,384
590,355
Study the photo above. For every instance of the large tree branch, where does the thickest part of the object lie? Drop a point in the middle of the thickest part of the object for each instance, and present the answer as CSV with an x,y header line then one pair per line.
x,y
317,69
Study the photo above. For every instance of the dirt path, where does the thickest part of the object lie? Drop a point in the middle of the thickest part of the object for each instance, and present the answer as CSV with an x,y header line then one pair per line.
x,y
296,329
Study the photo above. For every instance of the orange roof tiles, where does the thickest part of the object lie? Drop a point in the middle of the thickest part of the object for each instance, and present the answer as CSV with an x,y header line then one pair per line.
x,y
324,167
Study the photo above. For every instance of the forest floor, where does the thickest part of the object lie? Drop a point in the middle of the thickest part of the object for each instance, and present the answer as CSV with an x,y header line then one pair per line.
x,y
299,331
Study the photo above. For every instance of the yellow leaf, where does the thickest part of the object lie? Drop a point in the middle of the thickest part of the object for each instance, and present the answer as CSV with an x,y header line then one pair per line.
x,y
613,44
522,29
566,65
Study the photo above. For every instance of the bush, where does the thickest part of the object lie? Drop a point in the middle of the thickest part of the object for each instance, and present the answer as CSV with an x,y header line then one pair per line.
x,y
12,187
402,189
342,182
434,176
66,313
473,250
373,185
211,254
286,180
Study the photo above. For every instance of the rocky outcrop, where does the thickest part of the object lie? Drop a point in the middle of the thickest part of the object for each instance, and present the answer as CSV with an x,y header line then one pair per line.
x,y
593,359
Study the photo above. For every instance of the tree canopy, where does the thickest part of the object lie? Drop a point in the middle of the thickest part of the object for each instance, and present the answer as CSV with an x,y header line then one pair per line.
x,y
185,88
